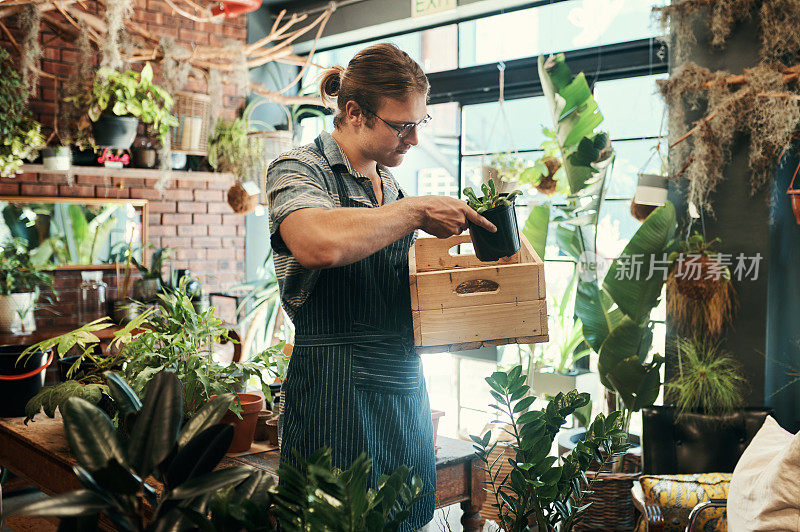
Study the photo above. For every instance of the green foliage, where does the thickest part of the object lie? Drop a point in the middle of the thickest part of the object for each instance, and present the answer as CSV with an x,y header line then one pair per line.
x,y
585,157
51,397
175,338
616,317
20,135
709,380
538,491
129,93
491,197
114,463
230,149
18,272
318,497
156,263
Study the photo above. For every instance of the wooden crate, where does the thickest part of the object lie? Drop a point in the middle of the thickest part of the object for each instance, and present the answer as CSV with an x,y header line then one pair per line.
x,y
460,303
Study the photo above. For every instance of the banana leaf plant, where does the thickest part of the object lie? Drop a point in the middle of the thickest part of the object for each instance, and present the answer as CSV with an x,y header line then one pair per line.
x,y
585,157
540,490
113,465
616,316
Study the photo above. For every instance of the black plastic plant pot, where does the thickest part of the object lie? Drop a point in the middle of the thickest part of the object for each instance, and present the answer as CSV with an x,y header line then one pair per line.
x,y
505,242
116,132
19,383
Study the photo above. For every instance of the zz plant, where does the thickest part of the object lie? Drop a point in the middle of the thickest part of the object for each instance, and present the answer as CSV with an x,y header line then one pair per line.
x,y
539,490
491,197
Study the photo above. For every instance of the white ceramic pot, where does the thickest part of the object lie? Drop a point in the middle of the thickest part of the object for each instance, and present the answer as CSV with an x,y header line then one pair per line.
x,y
57,158
17,313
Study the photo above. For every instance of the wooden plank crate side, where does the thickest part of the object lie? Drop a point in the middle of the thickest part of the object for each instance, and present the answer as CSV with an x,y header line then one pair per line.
x,y
433,254
488,322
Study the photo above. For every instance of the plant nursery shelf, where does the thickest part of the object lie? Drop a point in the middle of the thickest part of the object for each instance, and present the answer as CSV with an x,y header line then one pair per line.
x,y
143,173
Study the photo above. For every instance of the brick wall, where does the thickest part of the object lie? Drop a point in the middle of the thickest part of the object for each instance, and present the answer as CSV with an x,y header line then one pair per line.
x,y
191,216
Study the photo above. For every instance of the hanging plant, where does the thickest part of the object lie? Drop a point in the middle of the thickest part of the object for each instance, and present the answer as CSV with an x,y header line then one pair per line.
x,y
762,103
230,150
547,174
20,135
701,295
30,20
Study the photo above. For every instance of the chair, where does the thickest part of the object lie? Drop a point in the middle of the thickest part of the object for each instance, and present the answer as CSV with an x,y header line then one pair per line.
x,y
697,443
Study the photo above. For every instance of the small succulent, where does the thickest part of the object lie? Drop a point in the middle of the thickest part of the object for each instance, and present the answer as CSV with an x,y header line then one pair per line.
x,y
491,197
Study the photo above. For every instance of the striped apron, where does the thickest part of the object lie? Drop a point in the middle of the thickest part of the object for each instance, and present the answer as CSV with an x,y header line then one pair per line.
x,y
355,382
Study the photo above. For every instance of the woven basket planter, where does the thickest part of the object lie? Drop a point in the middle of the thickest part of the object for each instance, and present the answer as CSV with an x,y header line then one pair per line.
x,y
193,111
612,505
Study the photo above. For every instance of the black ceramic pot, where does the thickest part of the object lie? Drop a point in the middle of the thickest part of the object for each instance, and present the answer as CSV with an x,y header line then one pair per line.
x,y
117,132
19,382
505,242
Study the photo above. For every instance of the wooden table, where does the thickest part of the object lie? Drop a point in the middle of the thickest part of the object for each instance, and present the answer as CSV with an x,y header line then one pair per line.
x,y
39,453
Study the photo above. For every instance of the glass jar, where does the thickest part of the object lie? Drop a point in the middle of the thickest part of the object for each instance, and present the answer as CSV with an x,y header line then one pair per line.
x,y
92,298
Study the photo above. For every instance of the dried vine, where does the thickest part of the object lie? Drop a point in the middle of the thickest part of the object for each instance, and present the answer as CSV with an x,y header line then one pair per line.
x,y
762,103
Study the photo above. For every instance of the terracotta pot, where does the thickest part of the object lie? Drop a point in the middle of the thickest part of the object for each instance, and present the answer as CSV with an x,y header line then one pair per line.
x,y
261,425
244,429
272,431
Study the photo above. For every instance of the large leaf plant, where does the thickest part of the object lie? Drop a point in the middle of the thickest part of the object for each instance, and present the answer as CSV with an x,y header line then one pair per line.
x,y
616,315
114,465
540,490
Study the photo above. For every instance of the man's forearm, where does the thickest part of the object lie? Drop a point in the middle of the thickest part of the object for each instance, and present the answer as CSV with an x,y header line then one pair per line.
x,y
347,235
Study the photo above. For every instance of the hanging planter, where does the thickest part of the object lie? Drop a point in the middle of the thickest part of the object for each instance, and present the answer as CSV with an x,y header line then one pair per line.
x,y
701,294
240,200
651,193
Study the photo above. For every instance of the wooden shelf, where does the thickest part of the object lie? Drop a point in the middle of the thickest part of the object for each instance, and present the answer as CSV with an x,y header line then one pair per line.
x,y
142,173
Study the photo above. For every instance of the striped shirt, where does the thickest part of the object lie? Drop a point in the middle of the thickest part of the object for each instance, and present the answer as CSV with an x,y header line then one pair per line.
x,y
303,178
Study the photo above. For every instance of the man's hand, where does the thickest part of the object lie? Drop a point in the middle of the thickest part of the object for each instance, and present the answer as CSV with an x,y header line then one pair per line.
x,y
444,216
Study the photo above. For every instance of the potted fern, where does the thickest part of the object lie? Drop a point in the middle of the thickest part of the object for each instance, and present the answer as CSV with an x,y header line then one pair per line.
x,y
147,288
498,208
119,100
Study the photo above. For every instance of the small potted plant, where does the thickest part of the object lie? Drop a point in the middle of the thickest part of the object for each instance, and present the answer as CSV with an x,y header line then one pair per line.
x,y
20,135
230,149
22,282
147,288
498,208
119,100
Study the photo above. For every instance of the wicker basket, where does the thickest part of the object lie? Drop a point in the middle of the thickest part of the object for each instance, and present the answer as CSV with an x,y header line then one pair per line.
x,y
612,505
193,111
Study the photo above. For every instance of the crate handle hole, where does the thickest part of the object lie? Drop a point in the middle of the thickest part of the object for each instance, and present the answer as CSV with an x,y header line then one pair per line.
x,y
461,250
477,286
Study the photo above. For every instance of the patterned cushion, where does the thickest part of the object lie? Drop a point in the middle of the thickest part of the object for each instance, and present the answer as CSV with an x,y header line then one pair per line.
x,y
678,494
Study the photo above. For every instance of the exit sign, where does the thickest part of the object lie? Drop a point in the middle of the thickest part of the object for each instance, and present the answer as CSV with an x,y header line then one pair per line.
x,y
420,8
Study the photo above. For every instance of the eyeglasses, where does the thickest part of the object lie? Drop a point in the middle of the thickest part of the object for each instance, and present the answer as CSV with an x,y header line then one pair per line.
x,y
402,129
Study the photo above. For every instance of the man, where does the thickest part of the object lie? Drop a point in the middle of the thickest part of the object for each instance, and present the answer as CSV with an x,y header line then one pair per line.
x,y
341,229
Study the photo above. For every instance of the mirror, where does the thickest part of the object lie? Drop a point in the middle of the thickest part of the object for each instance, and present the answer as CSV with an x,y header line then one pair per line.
x,y
76,233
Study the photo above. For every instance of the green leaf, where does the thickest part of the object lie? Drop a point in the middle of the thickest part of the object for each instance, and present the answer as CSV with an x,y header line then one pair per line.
x,y
210,482
200,455
524,404
626,340
156,429
593,307
123,395
91,435
208,415
627,280
74,503
536,227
